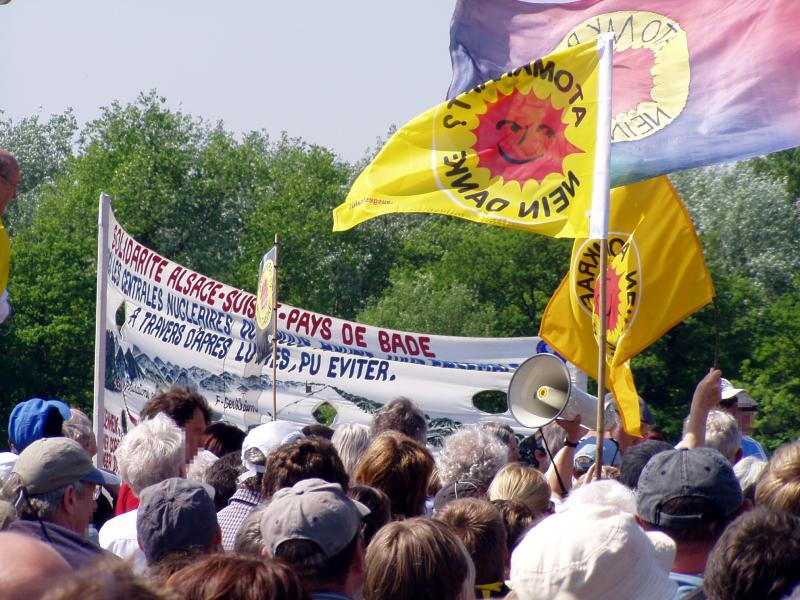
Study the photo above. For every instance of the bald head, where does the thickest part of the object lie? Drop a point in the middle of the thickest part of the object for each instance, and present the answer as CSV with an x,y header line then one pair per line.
x,y
9,179
28,568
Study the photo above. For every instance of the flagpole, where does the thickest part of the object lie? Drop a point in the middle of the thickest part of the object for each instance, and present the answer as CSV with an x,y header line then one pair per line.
x,y
275,334
598,222
98,409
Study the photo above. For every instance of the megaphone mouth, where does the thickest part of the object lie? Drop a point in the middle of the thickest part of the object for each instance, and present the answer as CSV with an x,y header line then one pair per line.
x,y
548,376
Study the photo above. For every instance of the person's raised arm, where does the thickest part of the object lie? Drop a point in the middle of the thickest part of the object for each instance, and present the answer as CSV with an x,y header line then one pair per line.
x,y
706,397
564,460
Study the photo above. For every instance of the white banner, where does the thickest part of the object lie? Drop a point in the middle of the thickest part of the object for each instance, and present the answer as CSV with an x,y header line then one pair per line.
x,y
167,325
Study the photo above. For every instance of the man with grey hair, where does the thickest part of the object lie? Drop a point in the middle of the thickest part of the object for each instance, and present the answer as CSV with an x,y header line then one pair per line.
x,y
152,452
350,441
722,434
469,460
79,428
53,486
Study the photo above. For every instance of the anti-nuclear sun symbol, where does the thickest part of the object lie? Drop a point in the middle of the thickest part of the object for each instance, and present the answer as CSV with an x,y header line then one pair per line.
x,y
612,298
521,137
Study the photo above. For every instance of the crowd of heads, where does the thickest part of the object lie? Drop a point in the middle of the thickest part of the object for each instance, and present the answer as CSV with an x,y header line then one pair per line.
x,y
292,511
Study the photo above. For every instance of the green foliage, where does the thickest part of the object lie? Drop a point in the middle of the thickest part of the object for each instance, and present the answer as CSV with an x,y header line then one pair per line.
x,y
419,301
319,270
784,164
43,148
774,370
748,223
213,201
510,271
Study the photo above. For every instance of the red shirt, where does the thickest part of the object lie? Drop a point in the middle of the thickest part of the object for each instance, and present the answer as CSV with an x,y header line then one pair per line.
x,y
126,501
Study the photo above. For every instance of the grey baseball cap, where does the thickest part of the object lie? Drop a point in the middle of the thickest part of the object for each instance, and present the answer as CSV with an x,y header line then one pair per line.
x,y
48,463
313,510
175,514
695,473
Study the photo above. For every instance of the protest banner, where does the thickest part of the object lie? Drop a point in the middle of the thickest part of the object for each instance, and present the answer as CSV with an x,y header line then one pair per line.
x,y
161,324
695,83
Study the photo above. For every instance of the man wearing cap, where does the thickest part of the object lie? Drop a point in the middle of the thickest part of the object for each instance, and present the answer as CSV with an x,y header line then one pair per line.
x,y
53,485
258,443
742,406
176,518
691,495
29,421
316,528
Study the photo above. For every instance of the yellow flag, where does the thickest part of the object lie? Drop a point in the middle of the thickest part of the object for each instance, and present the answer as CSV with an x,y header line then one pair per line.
x,y
516,152
657,276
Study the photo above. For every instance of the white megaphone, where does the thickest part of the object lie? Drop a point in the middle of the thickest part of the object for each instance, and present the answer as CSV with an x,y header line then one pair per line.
x,y
541,390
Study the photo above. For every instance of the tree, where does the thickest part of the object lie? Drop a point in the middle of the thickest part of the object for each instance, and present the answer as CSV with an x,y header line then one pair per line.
x,y
418,301
748,223
42,149
514,272
320,270
178,185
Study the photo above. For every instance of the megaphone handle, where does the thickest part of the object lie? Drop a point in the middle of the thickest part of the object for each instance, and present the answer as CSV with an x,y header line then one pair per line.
x,y
564,490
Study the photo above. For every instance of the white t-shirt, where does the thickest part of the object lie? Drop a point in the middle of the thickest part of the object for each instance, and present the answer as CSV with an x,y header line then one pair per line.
x,y
119,536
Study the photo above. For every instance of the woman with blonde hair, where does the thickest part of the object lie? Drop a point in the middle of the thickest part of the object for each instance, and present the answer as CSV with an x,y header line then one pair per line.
x,y
418,558
779,485
517,481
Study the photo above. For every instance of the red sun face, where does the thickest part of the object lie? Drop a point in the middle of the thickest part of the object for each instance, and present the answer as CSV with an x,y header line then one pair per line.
x,y
612,298
633,79
521,137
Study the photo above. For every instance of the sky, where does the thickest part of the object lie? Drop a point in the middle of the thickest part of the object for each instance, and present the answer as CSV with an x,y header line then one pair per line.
x,y
338,74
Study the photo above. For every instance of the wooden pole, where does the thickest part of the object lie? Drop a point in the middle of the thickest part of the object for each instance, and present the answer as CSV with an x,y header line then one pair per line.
x,y
601,361
598,222
275,334
101,302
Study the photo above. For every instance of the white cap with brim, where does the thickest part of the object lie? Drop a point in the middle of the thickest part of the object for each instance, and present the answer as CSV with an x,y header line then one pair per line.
x,y
266,438
744,399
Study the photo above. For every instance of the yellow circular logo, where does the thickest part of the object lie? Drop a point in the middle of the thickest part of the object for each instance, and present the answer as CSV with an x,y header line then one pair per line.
x,y
651,69
521,148
264,305
623,285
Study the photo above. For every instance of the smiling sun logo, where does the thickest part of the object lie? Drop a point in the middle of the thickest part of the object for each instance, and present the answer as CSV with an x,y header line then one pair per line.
x,y
518,151
522,138
623,285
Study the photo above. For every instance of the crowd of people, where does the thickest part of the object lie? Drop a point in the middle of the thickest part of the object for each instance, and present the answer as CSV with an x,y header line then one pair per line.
x,y
203,510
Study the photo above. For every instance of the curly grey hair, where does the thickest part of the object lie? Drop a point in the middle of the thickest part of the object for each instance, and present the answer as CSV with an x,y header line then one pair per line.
x,y
471,454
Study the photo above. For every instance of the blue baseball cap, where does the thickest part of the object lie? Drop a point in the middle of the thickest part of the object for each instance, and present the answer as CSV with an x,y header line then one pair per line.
x,y
35,419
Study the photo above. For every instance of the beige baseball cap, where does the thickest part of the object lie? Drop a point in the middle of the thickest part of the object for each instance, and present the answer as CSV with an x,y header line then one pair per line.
x,y
314,510
49,463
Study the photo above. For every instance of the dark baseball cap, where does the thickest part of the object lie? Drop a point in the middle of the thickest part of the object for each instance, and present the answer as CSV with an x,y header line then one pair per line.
x,y
313,510
49,463
696,473
175,514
